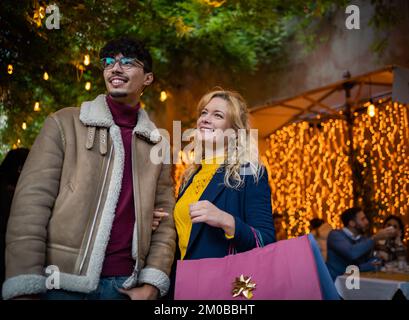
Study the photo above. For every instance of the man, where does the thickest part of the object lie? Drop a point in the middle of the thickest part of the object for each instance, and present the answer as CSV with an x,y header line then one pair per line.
x,y
10,170
320,230
349,246
85,199
278,227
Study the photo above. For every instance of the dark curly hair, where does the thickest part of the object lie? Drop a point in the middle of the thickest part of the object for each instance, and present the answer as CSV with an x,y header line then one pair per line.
x,y
129,47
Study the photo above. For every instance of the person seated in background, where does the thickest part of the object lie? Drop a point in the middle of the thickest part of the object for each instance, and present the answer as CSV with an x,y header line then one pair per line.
x,y
10,170
281,234
349,246
392,249
320,230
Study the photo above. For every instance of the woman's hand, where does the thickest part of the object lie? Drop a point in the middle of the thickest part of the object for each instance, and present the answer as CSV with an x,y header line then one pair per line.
x,y
206,212
158,215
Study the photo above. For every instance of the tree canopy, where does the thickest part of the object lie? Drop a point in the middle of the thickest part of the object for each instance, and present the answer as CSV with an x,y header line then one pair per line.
x,y
183,37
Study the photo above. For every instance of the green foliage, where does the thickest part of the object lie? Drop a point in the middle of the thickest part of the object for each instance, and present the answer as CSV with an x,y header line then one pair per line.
x,y
184,37
387,15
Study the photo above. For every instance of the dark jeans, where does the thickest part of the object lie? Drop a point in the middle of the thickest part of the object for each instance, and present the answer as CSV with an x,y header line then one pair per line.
x,y
107,290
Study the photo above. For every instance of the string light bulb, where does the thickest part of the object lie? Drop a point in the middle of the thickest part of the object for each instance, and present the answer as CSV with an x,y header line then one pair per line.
x,y
371,109
41,12
10,69
88,86
163,96
37,106
45,76
87,60
38,16
24,126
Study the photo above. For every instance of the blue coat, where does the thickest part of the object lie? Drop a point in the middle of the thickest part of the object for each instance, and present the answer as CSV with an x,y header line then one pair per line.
x,y
250,206
344,251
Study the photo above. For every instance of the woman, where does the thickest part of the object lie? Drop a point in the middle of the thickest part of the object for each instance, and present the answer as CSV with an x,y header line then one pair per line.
x,y
392,249
224,204
224,201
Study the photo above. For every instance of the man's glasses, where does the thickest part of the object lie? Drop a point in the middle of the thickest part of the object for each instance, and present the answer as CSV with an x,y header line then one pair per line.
x,y
125,63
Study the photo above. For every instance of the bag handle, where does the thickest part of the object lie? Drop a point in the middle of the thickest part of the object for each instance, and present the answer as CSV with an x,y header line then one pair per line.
x,y
257,237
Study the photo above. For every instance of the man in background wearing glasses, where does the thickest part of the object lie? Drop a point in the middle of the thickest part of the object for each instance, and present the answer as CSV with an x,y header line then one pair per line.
x,y
81,219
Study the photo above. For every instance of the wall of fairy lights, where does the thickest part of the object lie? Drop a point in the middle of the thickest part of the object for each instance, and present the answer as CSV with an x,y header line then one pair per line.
x,y
310,175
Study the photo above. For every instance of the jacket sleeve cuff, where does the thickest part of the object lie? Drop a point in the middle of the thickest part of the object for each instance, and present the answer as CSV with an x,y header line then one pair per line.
x,y
23,285
243,237
156,278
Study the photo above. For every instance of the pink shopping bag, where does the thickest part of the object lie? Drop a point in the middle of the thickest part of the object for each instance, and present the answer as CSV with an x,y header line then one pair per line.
x,y
282,270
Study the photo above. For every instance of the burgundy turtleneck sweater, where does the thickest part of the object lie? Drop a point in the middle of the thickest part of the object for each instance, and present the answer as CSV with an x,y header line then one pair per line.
x,y
118,255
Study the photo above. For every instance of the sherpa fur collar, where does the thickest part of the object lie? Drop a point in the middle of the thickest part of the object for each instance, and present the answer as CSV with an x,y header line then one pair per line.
x,y
96,113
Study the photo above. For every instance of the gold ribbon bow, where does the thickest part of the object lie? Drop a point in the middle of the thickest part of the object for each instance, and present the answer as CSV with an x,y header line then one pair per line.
x,y
243,285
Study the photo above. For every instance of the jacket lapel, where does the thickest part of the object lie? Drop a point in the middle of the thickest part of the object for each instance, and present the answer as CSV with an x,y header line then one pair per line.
x,y
96,113
211,192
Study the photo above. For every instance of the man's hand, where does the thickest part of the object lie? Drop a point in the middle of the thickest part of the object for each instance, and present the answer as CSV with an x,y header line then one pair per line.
x,y
386,233
158,215
146,292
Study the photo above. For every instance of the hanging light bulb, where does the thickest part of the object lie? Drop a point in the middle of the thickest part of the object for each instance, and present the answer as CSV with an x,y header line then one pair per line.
x,y
371,109
163,96
88,86
45,76
38,15
87,60
24,126
41,12
37,106
18,141
10,69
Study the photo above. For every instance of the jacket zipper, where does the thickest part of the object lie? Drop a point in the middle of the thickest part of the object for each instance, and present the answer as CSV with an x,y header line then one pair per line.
x,y
137,220
96,211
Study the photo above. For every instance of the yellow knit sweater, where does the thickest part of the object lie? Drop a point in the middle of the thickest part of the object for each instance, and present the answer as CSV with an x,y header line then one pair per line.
x,y
192,194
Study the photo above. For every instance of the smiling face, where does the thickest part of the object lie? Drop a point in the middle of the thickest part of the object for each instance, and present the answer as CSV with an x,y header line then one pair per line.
x,y
213,120
125,85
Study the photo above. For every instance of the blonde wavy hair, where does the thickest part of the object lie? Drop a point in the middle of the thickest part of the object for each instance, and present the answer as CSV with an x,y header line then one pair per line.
x,y
243,152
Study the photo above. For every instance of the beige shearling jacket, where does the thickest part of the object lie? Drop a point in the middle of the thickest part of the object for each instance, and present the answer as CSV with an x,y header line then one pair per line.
x,y
65,201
